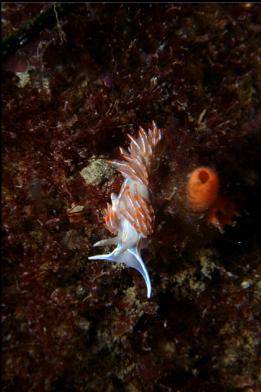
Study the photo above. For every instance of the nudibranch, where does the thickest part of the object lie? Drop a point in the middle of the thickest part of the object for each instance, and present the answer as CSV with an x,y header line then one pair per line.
x,y
130,216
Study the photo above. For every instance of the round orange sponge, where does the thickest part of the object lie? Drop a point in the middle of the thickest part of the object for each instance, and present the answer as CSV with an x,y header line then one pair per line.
x,y
202,189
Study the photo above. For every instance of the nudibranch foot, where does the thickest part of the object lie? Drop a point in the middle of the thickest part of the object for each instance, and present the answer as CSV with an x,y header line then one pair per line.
x,y
131,258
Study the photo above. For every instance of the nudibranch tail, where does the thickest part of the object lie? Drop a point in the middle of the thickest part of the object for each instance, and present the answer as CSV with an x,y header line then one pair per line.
x,y
131,257
130,216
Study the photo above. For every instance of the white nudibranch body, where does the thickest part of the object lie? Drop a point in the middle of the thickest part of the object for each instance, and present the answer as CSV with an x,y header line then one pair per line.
x,y
130,217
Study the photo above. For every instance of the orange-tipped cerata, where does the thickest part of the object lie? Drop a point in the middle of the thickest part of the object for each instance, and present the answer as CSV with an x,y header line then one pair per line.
x,y
202,189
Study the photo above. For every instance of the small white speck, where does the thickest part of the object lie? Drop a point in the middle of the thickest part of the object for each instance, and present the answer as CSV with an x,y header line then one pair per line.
x,y
246,284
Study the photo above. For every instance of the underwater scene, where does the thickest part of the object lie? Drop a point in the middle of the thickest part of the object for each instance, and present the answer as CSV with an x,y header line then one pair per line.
x,y
131,197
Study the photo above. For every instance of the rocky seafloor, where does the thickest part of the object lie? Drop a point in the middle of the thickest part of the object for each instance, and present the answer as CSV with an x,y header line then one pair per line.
x,y
77,78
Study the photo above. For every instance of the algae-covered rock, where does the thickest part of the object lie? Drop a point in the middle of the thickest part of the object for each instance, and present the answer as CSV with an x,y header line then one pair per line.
x,y
97,171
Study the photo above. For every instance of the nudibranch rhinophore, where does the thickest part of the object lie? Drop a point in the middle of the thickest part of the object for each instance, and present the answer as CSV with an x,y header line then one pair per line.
x,y
130,217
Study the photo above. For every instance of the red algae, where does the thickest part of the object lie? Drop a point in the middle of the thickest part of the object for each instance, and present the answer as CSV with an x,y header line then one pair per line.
x,y
222,213
73,87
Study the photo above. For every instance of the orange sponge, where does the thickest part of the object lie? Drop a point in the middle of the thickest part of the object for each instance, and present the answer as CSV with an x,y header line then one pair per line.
x,y
202,189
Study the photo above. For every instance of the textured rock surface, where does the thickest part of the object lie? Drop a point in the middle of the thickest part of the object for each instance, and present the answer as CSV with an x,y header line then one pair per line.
x,y
76,80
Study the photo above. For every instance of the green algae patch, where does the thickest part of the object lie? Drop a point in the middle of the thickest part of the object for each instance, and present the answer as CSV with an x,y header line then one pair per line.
x,y
97,171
